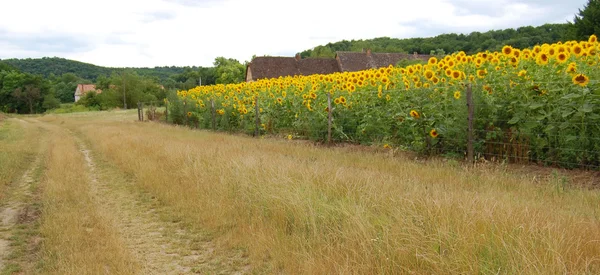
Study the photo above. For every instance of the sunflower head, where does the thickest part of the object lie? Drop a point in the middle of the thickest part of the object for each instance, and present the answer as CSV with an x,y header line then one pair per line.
x,y
189,114
562,57
414,114
433,133
429,74
457,94
507,50
593,39
581,80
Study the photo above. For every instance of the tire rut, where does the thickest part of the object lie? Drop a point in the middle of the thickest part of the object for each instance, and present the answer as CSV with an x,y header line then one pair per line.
x,y
15,208
158,246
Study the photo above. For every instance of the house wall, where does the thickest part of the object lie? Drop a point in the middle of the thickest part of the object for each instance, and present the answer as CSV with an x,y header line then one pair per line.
x,y
77,94
249,75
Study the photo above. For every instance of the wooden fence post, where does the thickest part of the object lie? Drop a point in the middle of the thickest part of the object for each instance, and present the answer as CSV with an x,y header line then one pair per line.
x,y
139,111
185,112
167,111
329,118
257,117
212,112
471,108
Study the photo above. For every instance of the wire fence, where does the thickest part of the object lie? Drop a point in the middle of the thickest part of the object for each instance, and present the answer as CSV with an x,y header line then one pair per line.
x,y
537,124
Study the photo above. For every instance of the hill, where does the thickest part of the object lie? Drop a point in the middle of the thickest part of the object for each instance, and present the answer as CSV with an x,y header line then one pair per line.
x,y
58,66
493,40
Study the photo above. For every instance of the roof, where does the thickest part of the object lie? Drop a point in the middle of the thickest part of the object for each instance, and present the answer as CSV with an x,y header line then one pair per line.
x,y
357,61
273,67
84,88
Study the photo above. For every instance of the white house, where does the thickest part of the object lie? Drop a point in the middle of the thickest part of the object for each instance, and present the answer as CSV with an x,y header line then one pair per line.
x,y
83,89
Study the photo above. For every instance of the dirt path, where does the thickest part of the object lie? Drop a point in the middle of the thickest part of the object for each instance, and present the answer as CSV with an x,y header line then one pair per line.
x,y
160,247
15,210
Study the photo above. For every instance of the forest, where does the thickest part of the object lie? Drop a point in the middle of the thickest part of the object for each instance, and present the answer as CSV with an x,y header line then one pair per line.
x,y
493,40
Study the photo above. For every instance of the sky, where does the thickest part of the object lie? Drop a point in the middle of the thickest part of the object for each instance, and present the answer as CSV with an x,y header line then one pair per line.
x,y
128,33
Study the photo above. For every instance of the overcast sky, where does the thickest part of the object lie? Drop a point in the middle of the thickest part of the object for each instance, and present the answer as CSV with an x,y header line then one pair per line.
x,y
127,33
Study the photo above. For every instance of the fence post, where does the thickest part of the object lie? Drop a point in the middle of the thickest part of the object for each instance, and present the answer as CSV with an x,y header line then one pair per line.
x,y
329,118
471,108
167,111
139,112
185,112
212,112
257,117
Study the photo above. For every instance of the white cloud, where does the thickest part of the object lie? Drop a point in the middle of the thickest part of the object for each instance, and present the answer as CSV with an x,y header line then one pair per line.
x,y
186,32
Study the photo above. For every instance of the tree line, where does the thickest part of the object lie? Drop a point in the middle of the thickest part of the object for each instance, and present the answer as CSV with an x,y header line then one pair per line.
x,y
37,85
585,23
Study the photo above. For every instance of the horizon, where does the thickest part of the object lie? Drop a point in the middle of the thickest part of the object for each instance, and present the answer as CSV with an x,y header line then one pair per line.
x,y
170,33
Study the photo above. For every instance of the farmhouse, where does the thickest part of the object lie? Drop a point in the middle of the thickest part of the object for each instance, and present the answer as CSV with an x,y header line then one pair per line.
x,y
83,89
273,67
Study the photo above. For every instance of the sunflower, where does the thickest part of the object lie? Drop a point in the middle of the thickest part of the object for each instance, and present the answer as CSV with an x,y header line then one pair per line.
x,y
593,39
562,57
488,89
522,73
414,114
581,80
429,74
313,95
342,99
448,72
435,80
337,101
189,114
507,50
433,133
542,59
481,73
289,137
279,100
577,50
457,94
572,67
432,61
456,75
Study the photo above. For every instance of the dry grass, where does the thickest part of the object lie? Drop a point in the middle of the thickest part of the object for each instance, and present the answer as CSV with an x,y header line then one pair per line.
x,y
18,146
77,238
297,208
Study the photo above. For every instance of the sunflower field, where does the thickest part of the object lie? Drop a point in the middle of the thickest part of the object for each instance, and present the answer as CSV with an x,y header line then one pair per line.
x,y
540,104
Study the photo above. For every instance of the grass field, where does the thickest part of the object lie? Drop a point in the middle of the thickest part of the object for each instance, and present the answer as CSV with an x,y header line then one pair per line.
x,y
119,196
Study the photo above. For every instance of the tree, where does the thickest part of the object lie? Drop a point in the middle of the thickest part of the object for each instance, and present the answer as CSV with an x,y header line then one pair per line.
x,y
229,70
587,21
50,102
29,95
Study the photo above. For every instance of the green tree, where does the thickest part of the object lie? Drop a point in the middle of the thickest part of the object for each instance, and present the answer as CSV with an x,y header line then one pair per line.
x,y
29,95
587,21
229,70
50,102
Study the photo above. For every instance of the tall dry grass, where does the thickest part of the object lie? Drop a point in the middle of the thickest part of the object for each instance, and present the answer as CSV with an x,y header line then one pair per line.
x,y
77,237
18,146
297,208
